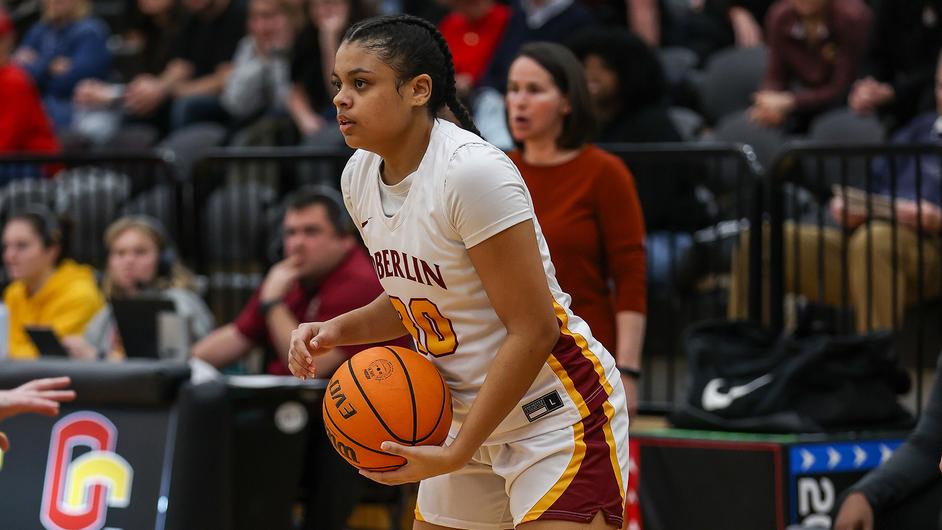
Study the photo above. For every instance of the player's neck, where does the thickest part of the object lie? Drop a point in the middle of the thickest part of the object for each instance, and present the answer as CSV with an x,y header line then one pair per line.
x,y
405,156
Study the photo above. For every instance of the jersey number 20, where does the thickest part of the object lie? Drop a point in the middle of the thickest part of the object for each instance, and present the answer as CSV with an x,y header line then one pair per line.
x,y
433,333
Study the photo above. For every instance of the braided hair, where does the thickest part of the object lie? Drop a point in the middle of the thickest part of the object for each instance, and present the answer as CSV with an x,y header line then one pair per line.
x,y
410,53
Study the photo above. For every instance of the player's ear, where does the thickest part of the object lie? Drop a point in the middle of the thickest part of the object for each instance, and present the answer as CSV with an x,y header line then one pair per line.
x,y
420,90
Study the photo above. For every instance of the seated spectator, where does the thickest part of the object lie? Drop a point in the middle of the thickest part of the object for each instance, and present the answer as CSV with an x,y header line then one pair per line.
x,y
198,68
703,26
584,198
816,48
310,101
24,126
901,61
325,273
472,30
48,289
626,86
39,396
147,47
871,291
141,260
260,78
65,47
534,20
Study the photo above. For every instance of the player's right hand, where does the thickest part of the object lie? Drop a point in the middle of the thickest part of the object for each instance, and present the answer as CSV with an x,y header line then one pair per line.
x,y
855,514
308,340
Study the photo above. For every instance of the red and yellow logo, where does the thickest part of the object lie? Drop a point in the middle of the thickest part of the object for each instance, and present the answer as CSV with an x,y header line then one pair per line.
x,y
79,490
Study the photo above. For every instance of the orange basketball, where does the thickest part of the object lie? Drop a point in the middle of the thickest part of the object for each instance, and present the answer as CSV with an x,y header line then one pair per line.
x,y
385,394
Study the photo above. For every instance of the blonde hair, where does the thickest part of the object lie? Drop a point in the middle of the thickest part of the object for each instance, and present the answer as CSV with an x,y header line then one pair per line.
x,y
178,277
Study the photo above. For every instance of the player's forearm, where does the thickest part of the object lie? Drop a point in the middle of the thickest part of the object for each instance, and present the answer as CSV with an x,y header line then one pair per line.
x,y
374,322
511,374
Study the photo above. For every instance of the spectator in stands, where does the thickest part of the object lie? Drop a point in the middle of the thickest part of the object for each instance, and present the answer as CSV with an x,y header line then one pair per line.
x,y
48,289
627,89
141,261
703,26
39,396
816,48
198,68
261,77
325,273
24,126
534,20
472,30
147,48
876,269
901,61
65,47
310,100
584,198
626,85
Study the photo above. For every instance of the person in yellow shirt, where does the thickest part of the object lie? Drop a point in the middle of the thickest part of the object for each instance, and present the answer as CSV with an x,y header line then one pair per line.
x,y
48,289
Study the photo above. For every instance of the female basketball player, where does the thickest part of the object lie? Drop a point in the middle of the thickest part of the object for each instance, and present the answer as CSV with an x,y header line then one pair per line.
x,y
540,436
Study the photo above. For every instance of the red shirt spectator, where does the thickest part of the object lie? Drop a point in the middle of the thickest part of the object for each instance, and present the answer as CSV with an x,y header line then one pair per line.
x,y
24,126
472,32
351,285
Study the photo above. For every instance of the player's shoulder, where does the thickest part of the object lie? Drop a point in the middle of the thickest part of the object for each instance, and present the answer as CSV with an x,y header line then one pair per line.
x,y
466,154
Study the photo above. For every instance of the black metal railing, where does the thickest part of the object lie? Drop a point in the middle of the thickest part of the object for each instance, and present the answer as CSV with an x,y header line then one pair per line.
x,y
872,265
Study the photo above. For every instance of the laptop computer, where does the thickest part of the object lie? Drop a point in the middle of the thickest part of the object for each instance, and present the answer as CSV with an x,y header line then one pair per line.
x,y
138,321
46,341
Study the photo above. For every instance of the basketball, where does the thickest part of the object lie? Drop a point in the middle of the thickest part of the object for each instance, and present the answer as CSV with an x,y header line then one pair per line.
x,y
385,394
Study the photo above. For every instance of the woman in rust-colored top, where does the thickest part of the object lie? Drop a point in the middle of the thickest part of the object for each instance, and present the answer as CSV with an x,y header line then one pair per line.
x,y
585,200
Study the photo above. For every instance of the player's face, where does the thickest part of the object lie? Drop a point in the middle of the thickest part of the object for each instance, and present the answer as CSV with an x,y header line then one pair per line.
x,y
311,241
24,256
371,111
535,106
132,259
601,80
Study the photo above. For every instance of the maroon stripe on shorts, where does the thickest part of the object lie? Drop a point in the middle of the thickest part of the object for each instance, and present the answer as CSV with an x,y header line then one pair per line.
x,y
580,371
595,486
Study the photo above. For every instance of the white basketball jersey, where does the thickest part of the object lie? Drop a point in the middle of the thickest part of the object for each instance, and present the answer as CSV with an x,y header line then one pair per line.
x,y
463,192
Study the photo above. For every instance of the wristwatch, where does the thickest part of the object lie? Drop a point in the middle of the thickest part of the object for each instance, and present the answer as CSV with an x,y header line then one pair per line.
x,y
265,307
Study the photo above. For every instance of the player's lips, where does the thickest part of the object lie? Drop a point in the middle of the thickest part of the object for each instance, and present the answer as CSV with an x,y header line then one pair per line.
x,y
345,123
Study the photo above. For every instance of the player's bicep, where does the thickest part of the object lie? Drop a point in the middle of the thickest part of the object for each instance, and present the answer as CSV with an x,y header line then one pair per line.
x,y
511,269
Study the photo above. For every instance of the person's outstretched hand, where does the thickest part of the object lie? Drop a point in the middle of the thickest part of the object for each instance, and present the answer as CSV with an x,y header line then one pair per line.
x,y
40,396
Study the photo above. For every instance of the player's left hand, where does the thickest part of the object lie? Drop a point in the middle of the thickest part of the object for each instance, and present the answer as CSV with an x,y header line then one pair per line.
x,y
422,462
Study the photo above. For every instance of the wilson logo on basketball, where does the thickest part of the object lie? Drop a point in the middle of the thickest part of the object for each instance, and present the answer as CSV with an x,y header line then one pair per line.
x,y
336,393
345,450
378,370
78,490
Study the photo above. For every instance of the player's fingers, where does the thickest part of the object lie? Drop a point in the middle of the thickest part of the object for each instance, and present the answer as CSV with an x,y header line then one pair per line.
x,y
57,395
294,365
383,477
393,448
47,383
299,347
37,405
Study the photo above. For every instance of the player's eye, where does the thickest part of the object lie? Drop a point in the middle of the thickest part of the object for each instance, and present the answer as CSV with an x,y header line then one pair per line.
x,y
336,84
359,84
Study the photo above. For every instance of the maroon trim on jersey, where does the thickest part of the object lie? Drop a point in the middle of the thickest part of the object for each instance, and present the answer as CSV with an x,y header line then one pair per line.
x,y
595,488
580,370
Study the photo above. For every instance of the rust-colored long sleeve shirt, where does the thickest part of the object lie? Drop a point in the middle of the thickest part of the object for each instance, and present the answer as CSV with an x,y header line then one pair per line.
x,y
589,211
